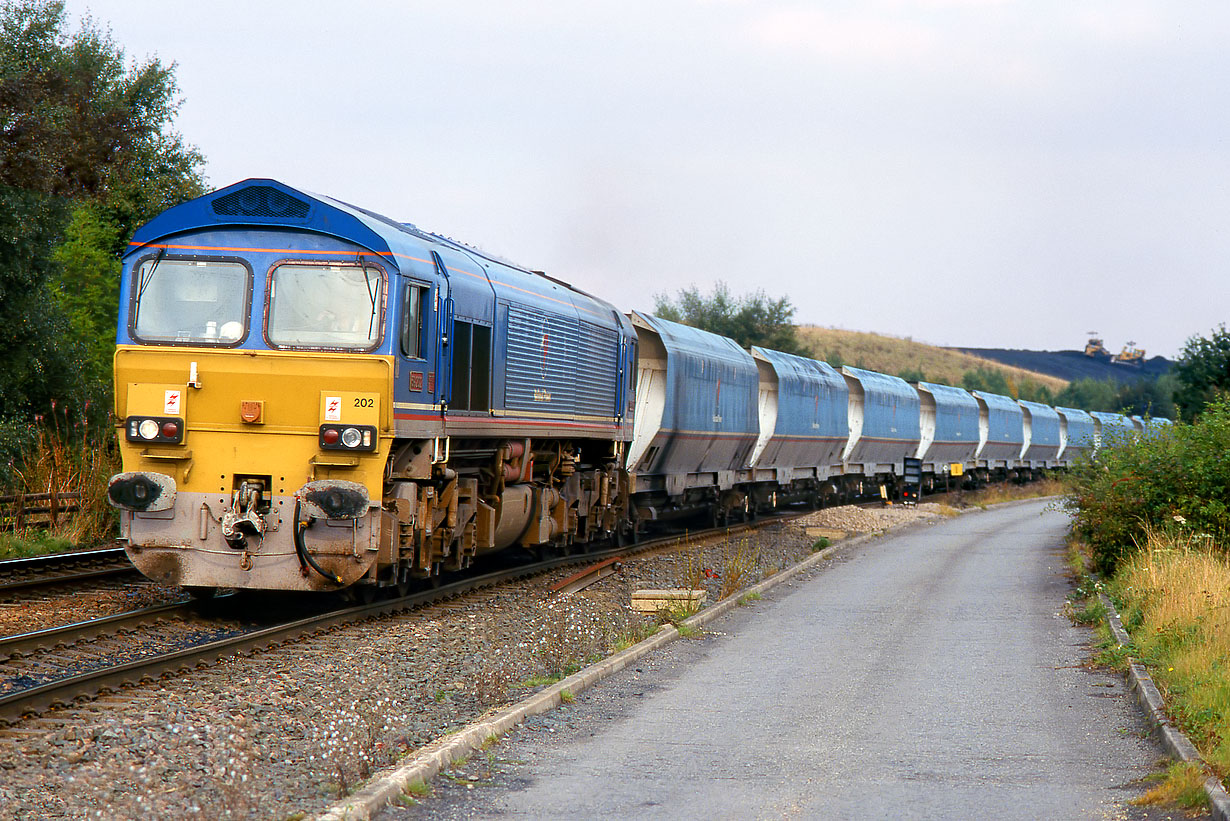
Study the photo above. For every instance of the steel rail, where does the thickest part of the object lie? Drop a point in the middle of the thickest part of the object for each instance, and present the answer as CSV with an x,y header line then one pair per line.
x,y
50,562
24,643
14,706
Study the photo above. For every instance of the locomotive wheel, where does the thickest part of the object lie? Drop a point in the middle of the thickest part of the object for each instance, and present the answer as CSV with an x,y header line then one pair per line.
x,y
201,593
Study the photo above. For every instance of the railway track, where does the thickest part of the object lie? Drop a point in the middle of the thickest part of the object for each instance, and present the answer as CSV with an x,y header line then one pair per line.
x,y
58,569
64,665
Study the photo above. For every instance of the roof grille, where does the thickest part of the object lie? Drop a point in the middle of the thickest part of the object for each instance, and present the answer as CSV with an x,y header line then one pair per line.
x,y
260,201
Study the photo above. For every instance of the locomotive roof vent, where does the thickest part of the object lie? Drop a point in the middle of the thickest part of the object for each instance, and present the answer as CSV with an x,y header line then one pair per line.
x,y
262,202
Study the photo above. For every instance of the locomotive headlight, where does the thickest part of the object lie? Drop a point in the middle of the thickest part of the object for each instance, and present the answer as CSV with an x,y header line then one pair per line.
x,y
148,429
351,437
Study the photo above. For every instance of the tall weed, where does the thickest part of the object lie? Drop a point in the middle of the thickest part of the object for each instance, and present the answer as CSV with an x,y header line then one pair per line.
x,y
63,455
1175,598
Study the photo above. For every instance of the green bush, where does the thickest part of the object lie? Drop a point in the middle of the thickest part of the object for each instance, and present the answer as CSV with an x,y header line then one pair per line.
x,y
1174,478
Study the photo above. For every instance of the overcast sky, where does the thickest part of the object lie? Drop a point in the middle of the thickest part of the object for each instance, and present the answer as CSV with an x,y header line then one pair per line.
x,y
984,173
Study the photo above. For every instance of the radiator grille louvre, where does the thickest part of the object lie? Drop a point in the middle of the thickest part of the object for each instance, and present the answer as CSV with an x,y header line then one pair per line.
x,y
597,370
557,364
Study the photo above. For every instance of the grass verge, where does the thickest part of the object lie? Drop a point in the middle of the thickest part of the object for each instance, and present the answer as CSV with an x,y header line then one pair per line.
x,y
1174,598
32,543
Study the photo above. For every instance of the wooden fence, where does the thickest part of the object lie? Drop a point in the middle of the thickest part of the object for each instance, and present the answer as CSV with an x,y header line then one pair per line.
x,y
25,509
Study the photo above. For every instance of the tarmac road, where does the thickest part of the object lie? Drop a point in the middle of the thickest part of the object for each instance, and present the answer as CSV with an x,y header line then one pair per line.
x,y
929,674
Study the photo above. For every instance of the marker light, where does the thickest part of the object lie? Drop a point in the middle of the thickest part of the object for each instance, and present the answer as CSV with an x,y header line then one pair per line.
x,y
348,437
158,430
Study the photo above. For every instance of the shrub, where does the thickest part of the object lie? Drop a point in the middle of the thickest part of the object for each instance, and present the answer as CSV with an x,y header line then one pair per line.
x,y
1178,476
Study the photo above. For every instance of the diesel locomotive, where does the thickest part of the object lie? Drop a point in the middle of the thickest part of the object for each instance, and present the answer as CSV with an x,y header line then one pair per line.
x,y
311,396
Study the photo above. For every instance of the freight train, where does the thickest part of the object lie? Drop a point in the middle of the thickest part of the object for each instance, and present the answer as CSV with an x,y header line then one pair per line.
x,y
311,396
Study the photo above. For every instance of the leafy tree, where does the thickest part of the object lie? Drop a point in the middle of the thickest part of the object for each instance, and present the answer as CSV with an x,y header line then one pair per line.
x,y
1088,394
912,375
753,319
988,380
1144,397
1202,372
86,154
1147,397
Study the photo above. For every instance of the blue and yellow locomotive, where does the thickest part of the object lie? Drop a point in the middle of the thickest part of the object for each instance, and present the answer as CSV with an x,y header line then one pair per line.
x,y
310,395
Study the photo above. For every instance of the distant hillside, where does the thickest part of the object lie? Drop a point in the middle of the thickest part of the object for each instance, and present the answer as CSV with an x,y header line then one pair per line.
x,y
894,355
1072,365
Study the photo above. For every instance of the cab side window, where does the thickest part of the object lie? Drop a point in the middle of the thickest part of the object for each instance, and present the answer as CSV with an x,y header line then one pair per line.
x,y
414,299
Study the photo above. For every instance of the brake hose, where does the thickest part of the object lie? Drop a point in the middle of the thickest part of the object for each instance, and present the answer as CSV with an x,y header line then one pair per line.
x,y
305,558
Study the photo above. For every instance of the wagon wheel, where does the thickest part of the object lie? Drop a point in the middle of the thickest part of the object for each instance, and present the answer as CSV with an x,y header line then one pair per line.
x,y
627,533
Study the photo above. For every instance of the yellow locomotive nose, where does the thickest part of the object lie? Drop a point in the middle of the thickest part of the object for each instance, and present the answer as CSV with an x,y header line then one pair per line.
x,y
211,501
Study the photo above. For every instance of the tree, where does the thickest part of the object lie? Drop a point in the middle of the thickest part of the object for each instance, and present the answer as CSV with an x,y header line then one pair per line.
x,y
753,319
1202,372
86,154
987,380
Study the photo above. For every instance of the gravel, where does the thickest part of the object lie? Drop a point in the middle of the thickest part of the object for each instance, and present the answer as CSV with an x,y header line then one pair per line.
x,y
293,728
852,519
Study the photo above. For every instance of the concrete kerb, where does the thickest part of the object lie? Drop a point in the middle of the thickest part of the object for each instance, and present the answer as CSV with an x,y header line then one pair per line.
x,y
1171,737
439,754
